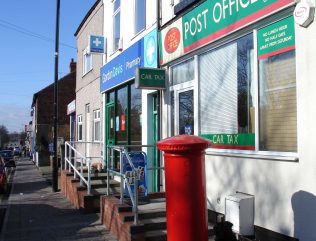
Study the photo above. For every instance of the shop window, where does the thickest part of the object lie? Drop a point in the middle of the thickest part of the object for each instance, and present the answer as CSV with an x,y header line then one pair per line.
x,y
136,116
79,128
277,100
97,125
227,113
87,62
121,116
239,111
183,72
116,24
140,15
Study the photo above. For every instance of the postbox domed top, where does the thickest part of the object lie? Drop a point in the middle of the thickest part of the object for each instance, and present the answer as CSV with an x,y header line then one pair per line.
x,y
183,143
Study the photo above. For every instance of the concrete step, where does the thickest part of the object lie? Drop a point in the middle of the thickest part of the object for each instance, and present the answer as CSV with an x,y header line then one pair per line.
x,y
96,176
113,189
145,214
156,235
99,183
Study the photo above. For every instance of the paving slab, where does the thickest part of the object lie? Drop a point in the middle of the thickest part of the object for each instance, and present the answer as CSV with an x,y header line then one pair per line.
x,y
33,212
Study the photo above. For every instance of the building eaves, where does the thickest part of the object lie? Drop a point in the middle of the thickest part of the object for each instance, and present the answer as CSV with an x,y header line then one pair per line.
x,y
87,16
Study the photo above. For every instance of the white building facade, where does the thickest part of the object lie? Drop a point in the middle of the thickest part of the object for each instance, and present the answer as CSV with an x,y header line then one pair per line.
x,y
131,36
241,73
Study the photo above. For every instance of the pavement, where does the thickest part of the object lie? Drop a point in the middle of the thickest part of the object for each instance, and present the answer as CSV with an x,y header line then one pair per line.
x,y
33,212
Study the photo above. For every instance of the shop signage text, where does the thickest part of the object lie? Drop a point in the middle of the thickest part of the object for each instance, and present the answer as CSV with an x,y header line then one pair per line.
x,y
143,53
276,38
241,141
214,19
150,78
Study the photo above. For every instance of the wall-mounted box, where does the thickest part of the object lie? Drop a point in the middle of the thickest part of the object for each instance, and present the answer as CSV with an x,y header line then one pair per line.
x,y
239,210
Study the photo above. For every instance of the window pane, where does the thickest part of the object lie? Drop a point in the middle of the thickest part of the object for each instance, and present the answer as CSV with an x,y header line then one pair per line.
x,y
87,62
117,4
278,116
120,119
116,31
183,72
136,115
226,95
97,125
140,15
186,113
110,97
97,131
79,132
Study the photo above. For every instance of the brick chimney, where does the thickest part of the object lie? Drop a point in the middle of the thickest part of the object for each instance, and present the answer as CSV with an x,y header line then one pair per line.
x,y
72,66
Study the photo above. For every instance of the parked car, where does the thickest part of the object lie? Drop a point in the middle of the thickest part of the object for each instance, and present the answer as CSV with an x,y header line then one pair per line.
x,y
17,151
8,158
3,176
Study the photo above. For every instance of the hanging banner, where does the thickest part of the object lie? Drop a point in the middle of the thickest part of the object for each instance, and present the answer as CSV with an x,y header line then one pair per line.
x,y
276,38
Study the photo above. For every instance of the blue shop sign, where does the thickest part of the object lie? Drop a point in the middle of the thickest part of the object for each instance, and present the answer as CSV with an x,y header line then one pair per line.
x,y
143,53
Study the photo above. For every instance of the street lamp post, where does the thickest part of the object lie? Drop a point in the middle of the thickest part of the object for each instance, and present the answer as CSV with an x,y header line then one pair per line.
x,y
55,158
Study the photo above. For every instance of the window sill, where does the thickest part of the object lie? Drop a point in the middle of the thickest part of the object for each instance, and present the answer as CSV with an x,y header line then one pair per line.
x,y
273,156
83,75
137,34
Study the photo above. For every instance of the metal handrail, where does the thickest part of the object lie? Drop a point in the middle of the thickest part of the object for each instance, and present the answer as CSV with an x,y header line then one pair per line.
x,y
73,166
122,149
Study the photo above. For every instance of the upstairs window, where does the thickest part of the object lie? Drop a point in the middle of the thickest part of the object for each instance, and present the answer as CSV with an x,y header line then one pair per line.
x,y
140,16
116,24
87,61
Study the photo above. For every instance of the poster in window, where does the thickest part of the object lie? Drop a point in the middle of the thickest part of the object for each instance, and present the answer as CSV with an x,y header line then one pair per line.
x,y
122,122
117,122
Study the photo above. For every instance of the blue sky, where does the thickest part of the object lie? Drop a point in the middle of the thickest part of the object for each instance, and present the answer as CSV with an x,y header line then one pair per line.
x,y
27,35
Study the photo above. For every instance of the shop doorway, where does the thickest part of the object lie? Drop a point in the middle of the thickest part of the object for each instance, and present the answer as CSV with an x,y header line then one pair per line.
x,y
153,137
110,130
183,107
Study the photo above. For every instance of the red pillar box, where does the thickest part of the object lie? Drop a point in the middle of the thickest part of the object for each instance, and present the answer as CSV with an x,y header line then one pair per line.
x,y
185,187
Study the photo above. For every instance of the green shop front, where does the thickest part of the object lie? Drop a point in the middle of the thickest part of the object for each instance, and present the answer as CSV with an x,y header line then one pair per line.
x,y
232,80
124,110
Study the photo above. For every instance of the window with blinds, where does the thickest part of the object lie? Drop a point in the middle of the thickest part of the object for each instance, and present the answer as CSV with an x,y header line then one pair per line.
x,y
278,115
226,106
218,91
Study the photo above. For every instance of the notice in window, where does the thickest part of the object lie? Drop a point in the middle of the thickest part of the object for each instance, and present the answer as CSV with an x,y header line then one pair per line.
x,y
276,38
